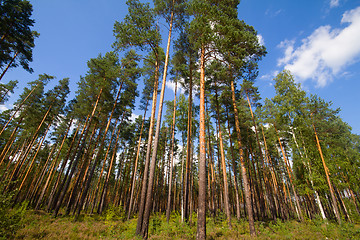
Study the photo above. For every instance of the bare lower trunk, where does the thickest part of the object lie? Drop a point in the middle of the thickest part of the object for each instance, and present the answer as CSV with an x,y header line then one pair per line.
x,y
247,190
135,167
201,224
333,198
168,208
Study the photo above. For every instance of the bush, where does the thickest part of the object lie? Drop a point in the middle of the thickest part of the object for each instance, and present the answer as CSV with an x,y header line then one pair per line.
x,y
10,218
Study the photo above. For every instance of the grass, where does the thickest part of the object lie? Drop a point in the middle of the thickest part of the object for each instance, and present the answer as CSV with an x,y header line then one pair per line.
x,y
41,225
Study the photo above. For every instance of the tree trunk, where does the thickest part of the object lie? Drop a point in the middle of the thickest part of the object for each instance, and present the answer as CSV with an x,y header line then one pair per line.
x,y
201,224
54,166
14,114
8,66
145,224
148,152
333,198
73,167
168,208
223,164
247,192
136,165
289,171
188,155
307,165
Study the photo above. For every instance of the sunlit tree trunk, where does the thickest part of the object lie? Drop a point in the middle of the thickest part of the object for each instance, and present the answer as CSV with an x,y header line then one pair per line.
x,y
168,208
136,166
289,172
201,224
148,204
247,192
148,152
333,198
53,166
8,66
223,164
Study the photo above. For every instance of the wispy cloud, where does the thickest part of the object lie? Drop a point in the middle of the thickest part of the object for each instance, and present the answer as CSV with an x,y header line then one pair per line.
x,y
272,13
324,53
269,77
334,3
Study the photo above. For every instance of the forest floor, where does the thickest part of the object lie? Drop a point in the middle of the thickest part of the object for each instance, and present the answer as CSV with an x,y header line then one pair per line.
x,y
41,225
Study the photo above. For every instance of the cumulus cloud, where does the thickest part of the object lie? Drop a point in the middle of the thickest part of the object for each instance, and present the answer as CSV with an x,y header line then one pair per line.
x,y
261,39
324,53
171,85
334,3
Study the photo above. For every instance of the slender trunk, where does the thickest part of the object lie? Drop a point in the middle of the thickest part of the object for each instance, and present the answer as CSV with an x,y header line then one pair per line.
x,y
73,167
289,172
223,164
136,165
8,66
201,224
234,167
8,145
28,149
188,152
333,198
342,205
91,174
33,159
4,95
261,167
80,177
52,168
148,152
104,189
51,201
307,165
247,190
14,114
168,208
3,37
145,224
210,163
104,137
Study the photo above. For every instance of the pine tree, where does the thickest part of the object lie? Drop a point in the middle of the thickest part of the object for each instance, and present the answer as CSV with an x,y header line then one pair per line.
x,y
17,39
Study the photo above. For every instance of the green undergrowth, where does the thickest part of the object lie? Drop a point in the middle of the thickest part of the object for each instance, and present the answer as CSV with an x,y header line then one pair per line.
x,y
111,225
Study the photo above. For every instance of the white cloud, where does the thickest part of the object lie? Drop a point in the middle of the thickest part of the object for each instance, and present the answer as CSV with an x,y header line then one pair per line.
x,y
325,52
334,3
269,77
261,39
133,117
171,85
272,13
3,108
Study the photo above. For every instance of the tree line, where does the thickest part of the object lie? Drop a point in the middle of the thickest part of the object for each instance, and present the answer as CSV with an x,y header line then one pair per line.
x,y
228,153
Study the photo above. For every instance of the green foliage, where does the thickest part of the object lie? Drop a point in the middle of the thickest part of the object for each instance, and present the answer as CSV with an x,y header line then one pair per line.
x,y
138,28
5,89
111,225
17,38
10,218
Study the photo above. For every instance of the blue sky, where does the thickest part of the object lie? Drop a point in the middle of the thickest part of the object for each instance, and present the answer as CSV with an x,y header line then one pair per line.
x,y
319,41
